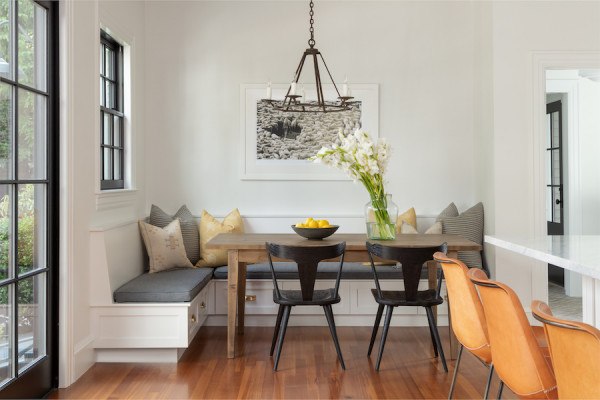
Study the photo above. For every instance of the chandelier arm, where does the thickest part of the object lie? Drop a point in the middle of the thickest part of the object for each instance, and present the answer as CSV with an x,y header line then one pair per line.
x,y
330,77
321,98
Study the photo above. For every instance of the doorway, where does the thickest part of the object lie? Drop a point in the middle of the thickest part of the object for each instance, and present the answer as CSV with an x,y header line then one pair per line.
x,y
28,188
572,174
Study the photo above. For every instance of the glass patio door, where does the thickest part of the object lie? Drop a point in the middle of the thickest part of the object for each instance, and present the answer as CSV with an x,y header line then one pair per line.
x,y
27,183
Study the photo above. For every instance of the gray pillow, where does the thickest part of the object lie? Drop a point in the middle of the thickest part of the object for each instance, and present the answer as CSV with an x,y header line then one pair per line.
x,y
450,211
189,228
469,225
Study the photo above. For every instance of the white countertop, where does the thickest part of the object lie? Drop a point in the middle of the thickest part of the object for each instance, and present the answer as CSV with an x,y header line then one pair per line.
x,y
579,253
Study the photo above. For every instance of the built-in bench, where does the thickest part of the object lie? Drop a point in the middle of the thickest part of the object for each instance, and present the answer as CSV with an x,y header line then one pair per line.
x,y
137,316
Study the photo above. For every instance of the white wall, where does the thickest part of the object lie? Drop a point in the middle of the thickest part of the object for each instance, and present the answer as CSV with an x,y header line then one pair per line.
x,y
422,55
81,205
520,29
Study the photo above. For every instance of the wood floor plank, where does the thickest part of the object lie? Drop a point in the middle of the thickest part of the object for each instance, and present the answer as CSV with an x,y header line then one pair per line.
x,y
308,369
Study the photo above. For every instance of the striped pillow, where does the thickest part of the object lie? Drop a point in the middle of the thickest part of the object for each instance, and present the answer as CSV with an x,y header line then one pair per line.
x,y
469,225
189,228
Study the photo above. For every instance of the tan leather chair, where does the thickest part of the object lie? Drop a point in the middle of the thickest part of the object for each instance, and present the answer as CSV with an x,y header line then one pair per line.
x,y
575,352
468,318
519,360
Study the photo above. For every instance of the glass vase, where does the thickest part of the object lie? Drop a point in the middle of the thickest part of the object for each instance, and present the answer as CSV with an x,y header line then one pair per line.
x,y
381,214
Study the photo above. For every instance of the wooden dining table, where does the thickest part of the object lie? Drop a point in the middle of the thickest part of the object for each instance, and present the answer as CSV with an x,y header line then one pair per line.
x,y
249,248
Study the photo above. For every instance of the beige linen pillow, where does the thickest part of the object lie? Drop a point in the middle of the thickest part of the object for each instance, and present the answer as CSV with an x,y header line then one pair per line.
x,y
164,246
211,227
435,229
409,217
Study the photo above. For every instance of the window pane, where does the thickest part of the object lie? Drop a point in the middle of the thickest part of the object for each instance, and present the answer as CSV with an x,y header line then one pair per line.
x,y
118,131
6,131
107,164
106,128
31,228
109,61
110,94
6,43
32,44
102,103
556,167
118,168
6,334
32,135
31,296
6,232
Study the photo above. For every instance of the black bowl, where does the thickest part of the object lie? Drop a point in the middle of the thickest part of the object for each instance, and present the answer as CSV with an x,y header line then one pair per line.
x,y
315,233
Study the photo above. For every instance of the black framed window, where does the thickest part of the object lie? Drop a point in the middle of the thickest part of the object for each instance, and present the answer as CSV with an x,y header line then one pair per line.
x,y
112,142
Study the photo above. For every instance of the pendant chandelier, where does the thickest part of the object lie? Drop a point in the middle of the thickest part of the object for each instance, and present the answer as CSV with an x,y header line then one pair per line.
x,y
294,102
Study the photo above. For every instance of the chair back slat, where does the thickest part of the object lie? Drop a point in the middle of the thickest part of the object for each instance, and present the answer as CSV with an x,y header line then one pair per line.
x,y
307,259
411,260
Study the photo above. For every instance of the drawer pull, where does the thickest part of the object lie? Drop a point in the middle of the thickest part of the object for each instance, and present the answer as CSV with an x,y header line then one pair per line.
x,y
202,306
250,297
193,318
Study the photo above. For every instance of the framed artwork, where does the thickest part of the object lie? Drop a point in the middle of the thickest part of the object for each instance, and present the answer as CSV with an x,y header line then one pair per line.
x,y
276,145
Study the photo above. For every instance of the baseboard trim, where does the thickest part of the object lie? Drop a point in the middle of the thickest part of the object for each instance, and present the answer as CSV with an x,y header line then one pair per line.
x,y
139,355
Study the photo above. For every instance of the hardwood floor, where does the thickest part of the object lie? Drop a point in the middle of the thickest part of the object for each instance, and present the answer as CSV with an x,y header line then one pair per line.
x,y
308,369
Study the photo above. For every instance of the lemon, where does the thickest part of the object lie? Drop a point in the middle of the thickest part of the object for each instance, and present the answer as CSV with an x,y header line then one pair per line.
x,y
313,224
300,225
323,223
308,220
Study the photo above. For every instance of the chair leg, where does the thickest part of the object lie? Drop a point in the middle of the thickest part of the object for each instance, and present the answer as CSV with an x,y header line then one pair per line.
x,y
386,327
486,394
375,327
436,335
499,396
435,349
284,322
451,392
276,331
331,322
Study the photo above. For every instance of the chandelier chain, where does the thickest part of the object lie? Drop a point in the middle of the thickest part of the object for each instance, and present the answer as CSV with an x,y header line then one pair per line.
x,y
311,41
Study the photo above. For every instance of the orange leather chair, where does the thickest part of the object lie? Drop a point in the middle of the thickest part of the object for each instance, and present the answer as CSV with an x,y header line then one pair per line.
x,y
468,318
575,352
518,358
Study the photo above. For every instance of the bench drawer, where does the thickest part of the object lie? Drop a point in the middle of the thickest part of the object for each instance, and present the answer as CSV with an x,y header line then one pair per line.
x,y
198,312
259,295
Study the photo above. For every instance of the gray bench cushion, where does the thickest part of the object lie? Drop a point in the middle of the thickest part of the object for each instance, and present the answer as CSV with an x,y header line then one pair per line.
x,y
172,286
326,270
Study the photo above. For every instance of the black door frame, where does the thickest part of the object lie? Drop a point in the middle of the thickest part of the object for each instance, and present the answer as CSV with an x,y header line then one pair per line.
x,y
38,380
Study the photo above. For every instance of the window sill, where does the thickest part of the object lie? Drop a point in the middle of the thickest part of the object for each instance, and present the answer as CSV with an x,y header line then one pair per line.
x,y
118,198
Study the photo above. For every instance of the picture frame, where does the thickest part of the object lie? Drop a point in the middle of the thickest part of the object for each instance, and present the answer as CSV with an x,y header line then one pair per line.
x,y
256,161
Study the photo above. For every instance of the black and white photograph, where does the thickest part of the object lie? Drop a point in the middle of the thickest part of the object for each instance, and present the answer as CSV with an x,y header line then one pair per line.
x,y
284,135
278,145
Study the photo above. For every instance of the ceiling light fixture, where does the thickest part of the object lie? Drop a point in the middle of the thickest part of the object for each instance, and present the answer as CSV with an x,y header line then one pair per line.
x,y
297,102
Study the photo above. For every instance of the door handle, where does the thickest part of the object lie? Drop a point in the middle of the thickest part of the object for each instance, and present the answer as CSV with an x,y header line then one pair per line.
x,y
558,201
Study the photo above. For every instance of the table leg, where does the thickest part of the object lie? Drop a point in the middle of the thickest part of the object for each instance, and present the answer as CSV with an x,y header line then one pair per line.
x,y
453,339
241,297
432,282
232,280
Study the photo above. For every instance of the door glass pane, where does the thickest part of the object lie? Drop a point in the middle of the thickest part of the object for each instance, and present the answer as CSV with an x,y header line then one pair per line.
x,y
549,204
32,44
6,10
556,216
31,296
548,131
556,167
31,246
6,131
32,135
6,232
6,334
555,130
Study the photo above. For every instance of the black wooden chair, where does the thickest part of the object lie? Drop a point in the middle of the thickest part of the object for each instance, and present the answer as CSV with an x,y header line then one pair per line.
x,y
412,260
307,259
